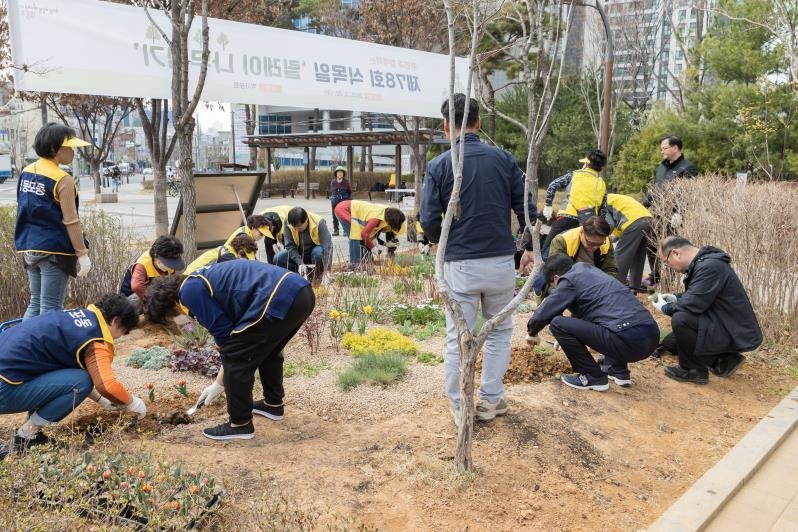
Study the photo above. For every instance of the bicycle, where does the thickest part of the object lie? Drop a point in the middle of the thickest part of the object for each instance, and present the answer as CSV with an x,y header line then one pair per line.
x,y
171,188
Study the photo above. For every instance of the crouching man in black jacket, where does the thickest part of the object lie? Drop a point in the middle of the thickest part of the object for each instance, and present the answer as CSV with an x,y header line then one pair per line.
x,y
605,316
712,320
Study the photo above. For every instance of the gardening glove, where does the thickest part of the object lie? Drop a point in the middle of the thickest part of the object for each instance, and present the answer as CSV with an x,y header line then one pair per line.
x,y
670,298
547,211
392,244
210,393
676,220
423,248
303,270
136,406
532,340
108,405
84,265
660,303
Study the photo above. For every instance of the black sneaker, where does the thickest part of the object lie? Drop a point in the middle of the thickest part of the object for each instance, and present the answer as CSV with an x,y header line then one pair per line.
x,y
586,382
696,376
273,412
726,365
21,445
225,431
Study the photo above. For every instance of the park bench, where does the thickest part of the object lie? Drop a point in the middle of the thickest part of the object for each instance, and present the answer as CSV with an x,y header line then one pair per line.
x,y
270,189
300,189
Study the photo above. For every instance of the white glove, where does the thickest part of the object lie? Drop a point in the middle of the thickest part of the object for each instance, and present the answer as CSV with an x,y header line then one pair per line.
x,y
303,270
108,405
676,220
547,211
210,393
670,298
84,265
392,244
136,406
532,340
659,303
423,248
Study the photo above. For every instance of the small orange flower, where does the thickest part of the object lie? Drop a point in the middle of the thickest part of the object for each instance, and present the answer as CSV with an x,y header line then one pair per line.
x,y
90,469
142,474
130,470
159,478
149,386
124,485
194,489
106,474
205,480
175,505
146,488
181,382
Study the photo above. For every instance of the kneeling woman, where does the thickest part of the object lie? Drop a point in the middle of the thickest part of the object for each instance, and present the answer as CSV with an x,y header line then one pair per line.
x,y
252,310
50,363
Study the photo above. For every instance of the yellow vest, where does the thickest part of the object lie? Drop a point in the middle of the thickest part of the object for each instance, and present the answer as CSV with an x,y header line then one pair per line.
x,y
572,242
624,211
362,212
146,261
282,212
243,230
313,226
212,257
586,190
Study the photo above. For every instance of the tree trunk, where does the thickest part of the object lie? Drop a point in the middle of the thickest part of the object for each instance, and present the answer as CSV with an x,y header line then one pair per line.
x,y
490,103
312,161
251,122
94,166
159,200
187,190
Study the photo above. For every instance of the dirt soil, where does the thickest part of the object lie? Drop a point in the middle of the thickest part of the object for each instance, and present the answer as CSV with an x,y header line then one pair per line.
x,y
561,459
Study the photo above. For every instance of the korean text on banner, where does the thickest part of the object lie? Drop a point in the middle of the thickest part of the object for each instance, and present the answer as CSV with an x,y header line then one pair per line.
x,y
102,48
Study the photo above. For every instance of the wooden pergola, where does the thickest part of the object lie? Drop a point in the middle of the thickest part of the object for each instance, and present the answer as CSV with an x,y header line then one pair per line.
x,y
320,139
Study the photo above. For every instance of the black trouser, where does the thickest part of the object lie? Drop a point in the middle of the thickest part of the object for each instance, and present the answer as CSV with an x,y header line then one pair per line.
x,y
681,342
260,348
560,225
619,348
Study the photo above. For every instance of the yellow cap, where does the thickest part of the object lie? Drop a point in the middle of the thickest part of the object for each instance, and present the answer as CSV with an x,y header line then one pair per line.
x,y
266,232
74,142
584,160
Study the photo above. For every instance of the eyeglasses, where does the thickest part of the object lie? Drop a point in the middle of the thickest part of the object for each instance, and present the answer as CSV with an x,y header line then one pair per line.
x,y
663,148
594,243
667,257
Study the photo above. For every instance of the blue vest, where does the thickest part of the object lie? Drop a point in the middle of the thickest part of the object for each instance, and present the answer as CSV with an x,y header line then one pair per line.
x,y
40,223
245,291
50,342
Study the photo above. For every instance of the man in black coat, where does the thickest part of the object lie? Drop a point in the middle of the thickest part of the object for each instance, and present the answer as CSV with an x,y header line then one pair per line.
x,y
674,165
712,320
605,315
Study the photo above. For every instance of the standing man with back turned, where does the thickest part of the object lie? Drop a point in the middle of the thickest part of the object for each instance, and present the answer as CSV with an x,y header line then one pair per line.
x,y
479,256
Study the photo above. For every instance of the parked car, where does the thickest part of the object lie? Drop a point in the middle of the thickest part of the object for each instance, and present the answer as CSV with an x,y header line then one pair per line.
x,y
147,172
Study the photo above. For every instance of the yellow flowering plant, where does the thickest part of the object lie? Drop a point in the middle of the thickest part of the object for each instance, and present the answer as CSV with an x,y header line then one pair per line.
x,y
379,341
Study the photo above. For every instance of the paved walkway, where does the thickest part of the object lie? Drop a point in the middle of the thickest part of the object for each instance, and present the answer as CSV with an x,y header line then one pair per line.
x,y
754,488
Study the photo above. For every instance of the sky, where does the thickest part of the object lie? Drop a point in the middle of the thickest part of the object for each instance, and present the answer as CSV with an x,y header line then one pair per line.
x,y
213,115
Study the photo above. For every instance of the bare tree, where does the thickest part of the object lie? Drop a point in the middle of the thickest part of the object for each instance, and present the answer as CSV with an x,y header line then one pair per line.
x,y
181,15
534,50
98,119
155,123
250,123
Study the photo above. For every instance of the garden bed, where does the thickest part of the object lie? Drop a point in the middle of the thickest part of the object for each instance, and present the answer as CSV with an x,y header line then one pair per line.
x,y
381,455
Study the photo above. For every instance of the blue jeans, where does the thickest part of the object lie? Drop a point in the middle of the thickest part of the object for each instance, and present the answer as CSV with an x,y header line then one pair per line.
x,y
47,283
313,256
355,253
51,395
489,283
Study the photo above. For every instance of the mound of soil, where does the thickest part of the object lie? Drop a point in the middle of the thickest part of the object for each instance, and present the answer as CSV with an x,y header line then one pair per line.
x,y
534,365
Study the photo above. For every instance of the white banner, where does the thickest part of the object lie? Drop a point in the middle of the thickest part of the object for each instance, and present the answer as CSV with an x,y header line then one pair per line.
x,y
93,47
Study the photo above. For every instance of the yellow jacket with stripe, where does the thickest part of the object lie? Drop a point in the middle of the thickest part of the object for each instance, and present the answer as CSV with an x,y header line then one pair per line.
x,y
587,189
623,211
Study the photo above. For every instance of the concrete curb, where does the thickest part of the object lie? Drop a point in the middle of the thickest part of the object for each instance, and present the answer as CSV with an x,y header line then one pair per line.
x,y
703,501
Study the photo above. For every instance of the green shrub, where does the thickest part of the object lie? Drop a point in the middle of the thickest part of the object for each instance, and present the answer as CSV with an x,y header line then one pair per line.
x,y
355,279
155,357
429,359
14,295
418,315
304,368
375,369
